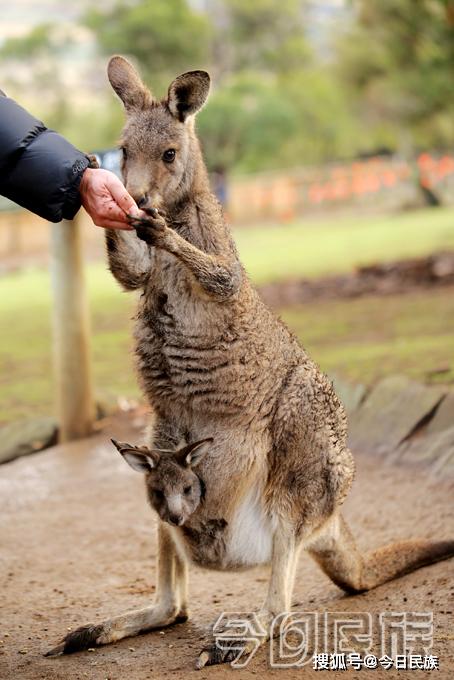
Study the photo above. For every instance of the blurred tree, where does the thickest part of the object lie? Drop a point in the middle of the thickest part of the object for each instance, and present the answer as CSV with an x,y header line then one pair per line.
x,y
325,128
398,61
44,45
264,35
165,37
245,124
35,43
260,122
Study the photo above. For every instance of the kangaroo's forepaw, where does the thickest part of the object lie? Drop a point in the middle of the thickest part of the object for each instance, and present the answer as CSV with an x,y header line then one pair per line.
x,y
77,640
149,229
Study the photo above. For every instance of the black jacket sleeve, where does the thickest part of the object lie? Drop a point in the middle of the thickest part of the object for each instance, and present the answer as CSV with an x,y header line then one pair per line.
x,y
39,169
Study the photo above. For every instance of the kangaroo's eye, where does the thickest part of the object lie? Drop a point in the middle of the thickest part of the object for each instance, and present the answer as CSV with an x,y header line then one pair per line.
x,y
187,490
169,156
159,496
124,153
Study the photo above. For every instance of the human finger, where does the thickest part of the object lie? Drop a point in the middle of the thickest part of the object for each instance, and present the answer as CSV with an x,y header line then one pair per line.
x,y
109,210
121,196
112,224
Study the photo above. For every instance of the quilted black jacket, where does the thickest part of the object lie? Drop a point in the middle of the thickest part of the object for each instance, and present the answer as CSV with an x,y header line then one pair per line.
x,y
39,169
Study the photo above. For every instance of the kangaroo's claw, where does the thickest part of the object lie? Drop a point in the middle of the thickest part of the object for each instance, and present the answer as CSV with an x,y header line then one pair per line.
x,y
77,640
153,212
56,651
214,654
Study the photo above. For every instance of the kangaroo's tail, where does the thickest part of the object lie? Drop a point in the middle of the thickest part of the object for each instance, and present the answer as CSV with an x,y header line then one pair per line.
x,y
336,553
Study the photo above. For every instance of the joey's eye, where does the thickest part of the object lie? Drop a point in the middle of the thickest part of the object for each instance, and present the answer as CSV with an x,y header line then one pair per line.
x,y
124,153
169,156
187,490
159,496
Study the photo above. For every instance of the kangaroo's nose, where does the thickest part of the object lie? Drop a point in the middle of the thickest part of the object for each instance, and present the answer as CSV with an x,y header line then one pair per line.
x,y
176,519
141,200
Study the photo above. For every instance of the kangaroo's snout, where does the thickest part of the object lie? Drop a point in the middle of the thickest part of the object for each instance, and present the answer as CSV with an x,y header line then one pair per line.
x,y
146,199
177,520
141,200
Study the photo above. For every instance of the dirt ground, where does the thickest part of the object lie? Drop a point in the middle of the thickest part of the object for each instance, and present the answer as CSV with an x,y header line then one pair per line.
x,y
78,544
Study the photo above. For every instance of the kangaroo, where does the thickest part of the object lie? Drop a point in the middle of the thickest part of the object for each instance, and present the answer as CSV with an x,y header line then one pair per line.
x,y
174,490
213,360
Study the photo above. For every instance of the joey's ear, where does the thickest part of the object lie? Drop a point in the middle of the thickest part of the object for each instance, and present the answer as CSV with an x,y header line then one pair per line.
x,y
127,84
188,93
193,454
139,458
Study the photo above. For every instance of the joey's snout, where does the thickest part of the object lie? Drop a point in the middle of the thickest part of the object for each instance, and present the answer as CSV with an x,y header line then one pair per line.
x,y
176,507
174,512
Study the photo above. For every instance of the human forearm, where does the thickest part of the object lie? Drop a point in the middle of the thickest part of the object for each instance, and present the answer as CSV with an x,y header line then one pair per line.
x,y
39,169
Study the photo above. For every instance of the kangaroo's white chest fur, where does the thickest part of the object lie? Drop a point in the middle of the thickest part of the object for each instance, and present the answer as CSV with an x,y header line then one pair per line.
x,y
241,542
250,532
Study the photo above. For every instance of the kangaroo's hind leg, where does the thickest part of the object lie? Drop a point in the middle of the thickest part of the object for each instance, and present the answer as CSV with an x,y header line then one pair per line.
x,y
335,551
278,600
170,606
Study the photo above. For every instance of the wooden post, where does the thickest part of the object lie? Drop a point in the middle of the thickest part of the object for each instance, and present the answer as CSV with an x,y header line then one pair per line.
x,y
74,389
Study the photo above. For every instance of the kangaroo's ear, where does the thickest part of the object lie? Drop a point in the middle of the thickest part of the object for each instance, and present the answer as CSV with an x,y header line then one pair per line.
x,y
188,93
127,84
193,454
140,458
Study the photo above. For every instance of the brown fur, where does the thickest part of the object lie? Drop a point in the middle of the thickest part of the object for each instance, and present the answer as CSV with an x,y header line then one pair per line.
x,y
214,361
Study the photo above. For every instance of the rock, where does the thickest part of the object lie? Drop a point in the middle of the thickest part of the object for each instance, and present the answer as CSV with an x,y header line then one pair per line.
x,y
27,436
434,450
389,414
434,446
444,417
350,394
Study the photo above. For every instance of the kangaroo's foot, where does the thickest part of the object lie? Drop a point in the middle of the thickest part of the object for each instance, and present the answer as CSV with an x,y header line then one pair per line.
x,y
119,627
236,640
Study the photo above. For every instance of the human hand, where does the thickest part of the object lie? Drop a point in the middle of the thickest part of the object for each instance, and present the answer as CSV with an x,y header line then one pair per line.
x,y
106,200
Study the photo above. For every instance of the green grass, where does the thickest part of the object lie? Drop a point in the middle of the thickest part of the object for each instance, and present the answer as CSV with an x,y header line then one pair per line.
x,y
26,341
315,247
361,339
367,338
